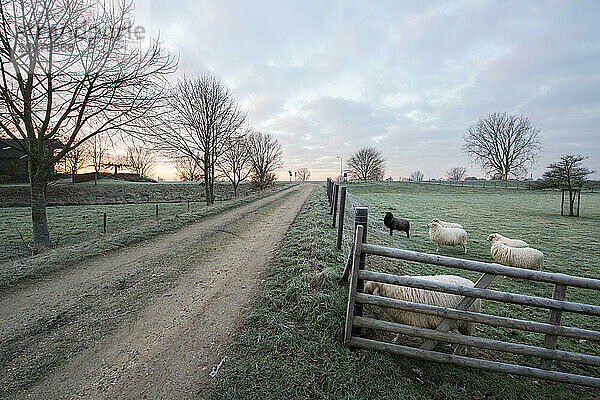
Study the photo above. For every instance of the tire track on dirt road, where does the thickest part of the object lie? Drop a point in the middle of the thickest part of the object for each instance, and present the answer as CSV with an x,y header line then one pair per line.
x,y
165,346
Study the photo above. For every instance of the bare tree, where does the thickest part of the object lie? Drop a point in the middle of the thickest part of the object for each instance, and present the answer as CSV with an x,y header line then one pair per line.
x,y
502,143
567,174
265,156
69,71
188,170
303,174
200,119
98,154
456,173
367,164
139,158
77,158
416,176
236,162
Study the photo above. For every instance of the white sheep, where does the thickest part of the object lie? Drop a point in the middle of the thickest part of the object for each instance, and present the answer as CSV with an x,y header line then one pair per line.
x,y
447,236
446,224
521,257
498,238
423,296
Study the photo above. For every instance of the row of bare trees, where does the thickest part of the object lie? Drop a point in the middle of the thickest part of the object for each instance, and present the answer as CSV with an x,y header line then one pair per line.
x,y
203,129
70,71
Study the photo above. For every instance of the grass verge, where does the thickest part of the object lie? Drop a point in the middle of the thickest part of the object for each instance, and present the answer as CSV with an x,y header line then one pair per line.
x,y
291,344
61,257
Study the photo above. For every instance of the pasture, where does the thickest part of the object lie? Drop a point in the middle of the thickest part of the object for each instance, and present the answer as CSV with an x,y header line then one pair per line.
x,y
76,232
115,191
569,244
292,344
73,224
76,211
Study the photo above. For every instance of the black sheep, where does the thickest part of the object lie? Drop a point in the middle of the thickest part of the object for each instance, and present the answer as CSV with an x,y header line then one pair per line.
x,y
398,224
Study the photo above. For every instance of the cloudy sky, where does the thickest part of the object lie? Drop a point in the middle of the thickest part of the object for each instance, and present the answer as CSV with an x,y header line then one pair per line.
x,y
327,78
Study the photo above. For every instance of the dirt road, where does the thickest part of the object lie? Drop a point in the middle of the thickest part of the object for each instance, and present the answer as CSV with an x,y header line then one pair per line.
x,y
150,321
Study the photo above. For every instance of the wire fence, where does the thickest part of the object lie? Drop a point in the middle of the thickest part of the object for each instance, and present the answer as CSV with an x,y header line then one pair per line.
x,y
590,187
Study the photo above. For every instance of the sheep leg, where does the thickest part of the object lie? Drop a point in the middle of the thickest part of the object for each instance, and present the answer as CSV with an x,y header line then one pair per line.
x,y
407,234
391,230
438,248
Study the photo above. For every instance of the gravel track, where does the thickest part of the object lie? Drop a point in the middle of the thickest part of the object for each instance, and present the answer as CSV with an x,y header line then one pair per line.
x,y
150,321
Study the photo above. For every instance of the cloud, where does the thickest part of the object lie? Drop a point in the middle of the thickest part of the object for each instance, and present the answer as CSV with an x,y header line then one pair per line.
x,y
329,77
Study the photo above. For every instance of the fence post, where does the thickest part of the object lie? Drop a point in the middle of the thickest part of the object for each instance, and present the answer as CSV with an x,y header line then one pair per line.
x,y
335,204
361,215
340,232
351,309
554,319
331,196
156,210
188,205
104,225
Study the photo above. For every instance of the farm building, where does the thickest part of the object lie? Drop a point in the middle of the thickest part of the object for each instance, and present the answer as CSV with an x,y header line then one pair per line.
x,y
13,162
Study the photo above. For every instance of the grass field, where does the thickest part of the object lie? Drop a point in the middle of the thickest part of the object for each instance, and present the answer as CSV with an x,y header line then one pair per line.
x,y
69,224
77,230
123,192
73,224
569,244
291,344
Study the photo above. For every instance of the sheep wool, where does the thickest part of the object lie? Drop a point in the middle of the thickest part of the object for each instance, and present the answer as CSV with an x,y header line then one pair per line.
x,y
498,238
424,297
446,224
521,257
447,236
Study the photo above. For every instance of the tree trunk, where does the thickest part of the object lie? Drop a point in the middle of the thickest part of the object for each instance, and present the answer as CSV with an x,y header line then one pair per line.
x,y
207,188
571,201
235,187
38,180
212,182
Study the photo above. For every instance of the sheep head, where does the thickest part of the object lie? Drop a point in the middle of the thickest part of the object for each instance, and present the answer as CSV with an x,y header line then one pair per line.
x,y
372,288
433,225
494,237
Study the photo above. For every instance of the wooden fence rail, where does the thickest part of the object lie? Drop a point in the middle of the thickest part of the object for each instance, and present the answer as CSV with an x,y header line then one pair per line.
x,y
552,330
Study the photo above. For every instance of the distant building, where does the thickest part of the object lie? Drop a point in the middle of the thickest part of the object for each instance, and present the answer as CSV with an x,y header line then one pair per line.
x,y
13,163
470,178
390,179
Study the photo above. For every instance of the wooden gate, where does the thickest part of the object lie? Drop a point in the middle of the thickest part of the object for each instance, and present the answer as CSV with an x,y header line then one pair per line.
x,y
450,316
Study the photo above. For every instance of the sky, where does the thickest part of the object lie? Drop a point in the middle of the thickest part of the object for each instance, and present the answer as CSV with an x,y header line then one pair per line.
x,y
327,78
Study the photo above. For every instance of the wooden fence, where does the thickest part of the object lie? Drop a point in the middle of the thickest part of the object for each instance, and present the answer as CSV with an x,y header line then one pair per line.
x,y
552,330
